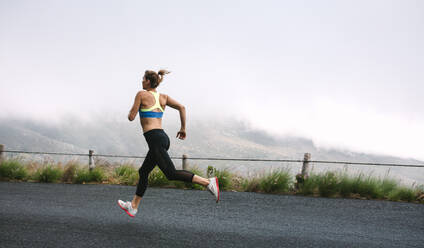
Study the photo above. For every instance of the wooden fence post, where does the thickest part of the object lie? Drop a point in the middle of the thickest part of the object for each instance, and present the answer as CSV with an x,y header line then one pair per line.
x,y
305,167
1,152
90,159
185,162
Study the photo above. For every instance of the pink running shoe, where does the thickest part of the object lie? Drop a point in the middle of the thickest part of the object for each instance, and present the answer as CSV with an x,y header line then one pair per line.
x,y
213,187
126,206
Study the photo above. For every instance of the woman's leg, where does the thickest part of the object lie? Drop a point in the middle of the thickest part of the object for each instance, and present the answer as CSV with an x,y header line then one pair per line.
x,y
159,144
143,172
165,163
200,180
168,168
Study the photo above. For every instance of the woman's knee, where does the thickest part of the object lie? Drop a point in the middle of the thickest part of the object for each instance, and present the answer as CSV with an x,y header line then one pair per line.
x,y
142,172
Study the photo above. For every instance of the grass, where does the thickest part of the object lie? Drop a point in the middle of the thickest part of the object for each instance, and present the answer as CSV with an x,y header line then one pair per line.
x,y
86,175
331,184
345,185
309,185
13,169
367,187
48,174
251,184
69,173
224,177
279,181
402,194
326,184
127,174
157,178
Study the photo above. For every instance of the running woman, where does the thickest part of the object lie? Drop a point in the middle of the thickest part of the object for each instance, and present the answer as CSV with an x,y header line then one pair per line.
x,y
151,105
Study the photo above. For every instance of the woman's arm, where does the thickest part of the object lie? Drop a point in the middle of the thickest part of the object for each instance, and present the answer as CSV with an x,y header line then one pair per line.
x,y
176,105
136,106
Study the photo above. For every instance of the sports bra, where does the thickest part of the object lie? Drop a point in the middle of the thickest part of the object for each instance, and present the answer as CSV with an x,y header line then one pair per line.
x,y
148,113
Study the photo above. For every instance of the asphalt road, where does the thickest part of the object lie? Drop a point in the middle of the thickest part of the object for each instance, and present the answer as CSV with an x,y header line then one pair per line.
x,y
66,215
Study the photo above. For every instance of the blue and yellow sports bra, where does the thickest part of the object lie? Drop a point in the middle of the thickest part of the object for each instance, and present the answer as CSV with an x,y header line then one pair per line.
x,y
148,113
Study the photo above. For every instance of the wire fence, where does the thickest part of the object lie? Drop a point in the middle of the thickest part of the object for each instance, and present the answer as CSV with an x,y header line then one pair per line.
x,y
91,154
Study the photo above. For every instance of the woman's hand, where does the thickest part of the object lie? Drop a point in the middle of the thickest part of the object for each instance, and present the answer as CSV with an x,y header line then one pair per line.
x,y
181,134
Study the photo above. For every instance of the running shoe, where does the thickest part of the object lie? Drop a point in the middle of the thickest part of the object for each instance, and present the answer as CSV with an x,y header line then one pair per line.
x,y
213,187
126,206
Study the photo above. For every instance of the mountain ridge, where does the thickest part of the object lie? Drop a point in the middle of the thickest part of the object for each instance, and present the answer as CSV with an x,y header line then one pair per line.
x,y
231,139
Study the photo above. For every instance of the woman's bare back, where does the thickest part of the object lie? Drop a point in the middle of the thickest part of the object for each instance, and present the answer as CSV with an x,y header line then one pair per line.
x,y
147,101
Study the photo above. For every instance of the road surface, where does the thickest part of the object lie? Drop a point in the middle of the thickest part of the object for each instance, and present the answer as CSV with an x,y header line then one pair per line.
x,y
69,215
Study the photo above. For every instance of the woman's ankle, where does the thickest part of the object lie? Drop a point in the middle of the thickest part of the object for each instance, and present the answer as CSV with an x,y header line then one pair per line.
x,y
135,201
200,180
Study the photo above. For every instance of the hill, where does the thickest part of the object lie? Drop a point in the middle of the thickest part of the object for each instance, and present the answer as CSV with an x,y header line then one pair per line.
x,y
224,139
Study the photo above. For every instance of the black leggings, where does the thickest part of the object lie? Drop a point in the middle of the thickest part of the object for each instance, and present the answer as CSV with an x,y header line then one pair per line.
x,y
158,143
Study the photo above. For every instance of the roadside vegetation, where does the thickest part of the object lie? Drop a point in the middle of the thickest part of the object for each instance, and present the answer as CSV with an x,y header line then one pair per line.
x,y
340,184
281,181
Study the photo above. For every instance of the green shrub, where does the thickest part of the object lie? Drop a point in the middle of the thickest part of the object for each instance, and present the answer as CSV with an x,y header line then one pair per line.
x,y
331,183
13,169
86,176
356,184
403,194
69,173
251,184
125,170
309,185
97,175
48,174
127,174
157,178
82,176
345,185
387,186
278,181
224,179
368,187
328,184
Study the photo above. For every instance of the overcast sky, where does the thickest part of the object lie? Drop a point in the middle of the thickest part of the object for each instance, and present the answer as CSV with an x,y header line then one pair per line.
x,y
347,74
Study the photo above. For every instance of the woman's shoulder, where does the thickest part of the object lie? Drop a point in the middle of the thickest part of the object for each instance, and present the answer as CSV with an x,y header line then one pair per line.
x,y
163,94
163,98
143,93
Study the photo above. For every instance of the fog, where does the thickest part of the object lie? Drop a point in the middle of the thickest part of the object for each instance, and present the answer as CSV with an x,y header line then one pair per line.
x,y
345,74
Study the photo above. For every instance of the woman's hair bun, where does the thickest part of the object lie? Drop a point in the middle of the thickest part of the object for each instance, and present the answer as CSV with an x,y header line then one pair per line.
x,y
163,72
